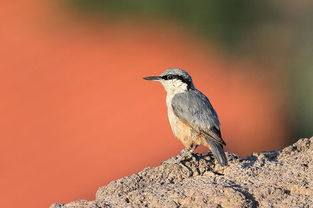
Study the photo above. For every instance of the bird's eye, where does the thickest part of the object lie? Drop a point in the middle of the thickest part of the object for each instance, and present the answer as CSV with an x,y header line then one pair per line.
x,y
170,76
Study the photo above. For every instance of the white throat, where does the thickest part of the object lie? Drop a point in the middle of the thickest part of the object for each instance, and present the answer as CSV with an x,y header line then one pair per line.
x,y
174,86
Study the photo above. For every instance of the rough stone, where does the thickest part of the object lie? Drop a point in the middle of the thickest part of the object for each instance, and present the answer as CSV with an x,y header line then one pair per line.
x,y
280,178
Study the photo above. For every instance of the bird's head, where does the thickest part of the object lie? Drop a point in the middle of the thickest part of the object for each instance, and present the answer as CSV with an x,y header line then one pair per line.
x,y
174,80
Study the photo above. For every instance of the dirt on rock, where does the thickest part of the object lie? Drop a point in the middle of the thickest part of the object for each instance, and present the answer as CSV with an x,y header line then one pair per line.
x,y
280,178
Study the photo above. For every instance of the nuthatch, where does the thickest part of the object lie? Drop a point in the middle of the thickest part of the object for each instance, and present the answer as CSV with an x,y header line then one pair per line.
x,y
192,117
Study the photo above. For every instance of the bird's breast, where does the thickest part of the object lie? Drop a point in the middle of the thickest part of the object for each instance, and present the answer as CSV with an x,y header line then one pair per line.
x,y
179,128
188,136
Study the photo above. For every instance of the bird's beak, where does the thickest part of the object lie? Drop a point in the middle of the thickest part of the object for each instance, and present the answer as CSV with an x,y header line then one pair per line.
x,y
153,78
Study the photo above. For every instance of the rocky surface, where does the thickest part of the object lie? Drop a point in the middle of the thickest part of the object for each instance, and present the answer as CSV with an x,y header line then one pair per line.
x,y
280,178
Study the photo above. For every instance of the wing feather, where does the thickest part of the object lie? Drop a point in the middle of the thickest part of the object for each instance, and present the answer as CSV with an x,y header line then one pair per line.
x,y
197,112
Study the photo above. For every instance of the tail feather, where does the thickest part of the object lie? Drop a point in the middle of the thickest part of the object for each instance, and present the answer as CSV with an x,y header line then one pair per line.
x,y
218,151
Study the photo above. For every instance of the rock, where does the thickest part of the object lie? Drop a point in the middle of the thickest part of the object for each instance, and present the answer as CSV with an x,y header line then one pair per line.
x,y
280,178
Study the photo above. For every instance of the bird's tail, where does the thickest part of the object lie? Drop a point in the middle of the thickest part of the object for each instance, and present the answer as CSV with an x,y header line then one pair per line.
x,y
218,151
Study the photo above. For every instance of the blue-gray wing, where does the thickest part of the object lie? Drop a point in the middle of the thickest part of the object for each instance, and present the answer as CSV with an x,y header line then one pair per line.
x,y
194,109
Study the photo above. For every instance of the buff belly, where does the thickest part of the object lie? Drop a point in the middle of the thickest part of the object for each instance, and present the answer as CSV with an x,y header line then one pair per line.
x,y
185,133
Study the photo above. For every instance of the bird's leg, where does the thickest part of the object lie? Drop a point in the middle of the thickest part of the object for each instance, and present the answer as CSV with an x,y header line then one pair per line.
x,y
180,157
183,155
186,153
191,149
190,152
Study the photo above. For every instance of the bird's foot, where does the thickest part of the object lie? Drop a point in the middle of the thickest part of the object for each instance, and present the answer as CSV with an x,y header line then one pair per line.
x,y
173,160
184,152
184,155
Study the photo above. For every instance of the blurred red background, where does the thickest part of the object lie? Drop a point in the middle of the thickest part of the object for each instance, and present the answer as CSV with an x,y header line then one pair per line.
x,y
76,114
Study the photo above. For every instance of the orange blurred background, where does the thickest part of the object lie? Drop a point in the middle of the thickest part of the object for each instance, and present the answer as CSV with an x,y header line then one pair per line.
x,y
76,113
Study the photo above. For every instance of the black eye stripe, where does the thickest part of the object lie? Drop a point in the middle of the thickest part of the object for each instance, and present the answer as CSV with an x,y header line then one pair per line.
x,y
173,76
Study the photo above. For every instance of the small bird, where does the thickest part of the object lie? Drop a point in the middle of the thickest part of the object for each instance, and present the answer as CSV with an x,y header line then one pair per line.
x,y
192,117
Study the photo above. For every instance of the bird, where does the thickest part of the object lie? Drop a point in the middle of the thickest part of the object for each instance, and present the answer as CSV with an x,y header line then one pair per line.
x,y
192,117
